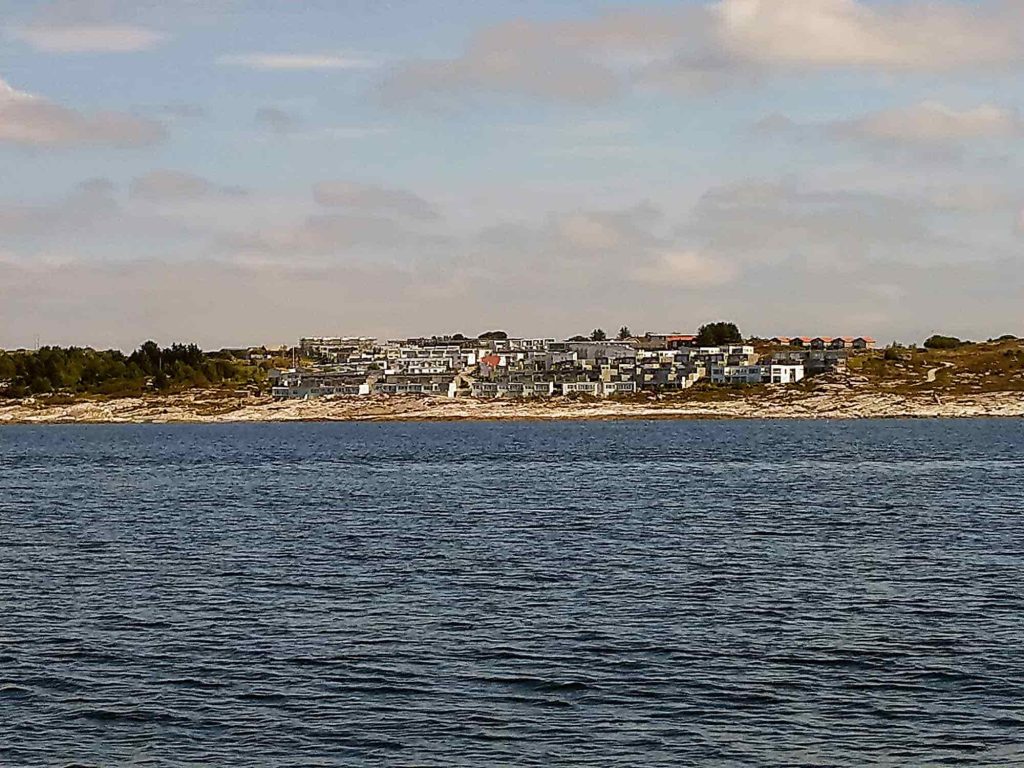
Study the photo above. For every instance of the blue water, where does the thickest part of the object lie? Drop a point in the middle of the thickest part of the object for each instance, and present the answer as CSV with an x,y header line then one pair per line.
x,y
585,594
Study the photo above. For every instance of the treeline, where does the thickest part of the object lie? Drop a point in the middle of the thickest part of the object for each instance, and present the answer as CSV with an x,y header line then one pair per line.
x,y
78,370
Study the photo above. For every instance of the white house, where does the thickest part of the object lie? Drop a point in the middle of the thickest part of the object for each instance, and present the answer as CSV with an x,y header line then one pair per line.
x,y
782,374
756,374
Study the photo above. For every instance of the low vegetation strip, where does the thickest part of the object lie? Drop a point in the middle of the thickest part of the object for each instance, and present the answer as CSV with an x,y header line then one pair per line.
x,y
76,371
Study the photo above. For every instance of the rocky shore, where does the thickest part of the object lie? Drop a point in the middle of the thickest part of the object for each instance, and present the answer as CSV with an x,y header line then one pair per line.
x,y
824,402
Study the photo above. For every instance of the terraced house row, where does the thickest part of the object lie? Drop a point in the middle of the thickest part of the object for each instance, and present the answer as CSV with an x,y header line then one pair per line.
x,y
487,367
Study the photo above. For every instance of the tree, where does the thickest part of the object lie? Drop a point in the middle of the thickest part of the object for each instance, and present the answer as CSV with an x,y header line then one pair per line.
x,y
491,335
625,333
598,335
578,338
938,341
716,334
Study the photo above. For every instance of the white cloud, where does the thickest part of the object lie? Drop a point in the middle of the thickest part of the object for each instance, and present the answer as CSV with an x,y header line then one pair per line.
x,y
924,36
30,121
685,269
295,62
89,38
930,122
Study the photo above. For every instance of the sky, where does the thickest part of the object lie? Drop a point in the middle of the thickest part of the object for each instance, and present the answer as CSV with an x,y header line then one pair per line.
x,y
236,172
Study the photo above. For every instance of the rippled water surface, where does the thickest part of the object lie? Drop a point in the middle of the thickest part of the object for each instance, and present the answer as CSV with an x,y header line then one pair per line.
x,y
603,594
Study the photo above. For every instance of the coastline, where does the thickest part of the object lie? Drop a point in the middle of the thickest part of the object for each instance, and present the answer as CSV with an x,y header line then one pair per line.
x,y
217,408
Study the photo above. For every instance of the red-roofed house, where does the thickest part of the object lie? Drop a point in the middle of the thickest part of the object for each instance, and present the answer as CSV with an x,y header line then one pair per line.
x,y
679,340
488,364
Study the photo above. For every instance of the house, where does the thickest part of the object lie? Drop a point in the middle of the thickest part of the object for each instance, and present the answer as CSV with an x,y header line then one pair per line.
x,y
841,342
781,341
489,364
593,388
680,340
864,342
757,374
821,342
619,388
814,362
736,374
512,388
782,374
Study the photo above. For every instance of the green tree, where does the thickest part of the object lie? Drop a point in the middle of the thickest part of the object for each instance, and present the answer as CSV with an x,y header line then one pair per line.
x,y
716,334
625,333
938,341
492,335
82,370
598,335
161,381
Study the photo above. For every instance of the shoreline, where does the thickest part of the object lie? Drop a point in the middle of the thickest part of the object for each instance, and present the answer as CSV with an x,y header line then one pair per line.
x,y
218,408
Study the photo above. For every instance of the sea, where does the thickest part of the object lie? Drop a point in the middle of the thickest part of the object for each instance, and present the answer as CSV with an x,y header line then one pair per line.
x,y
622,593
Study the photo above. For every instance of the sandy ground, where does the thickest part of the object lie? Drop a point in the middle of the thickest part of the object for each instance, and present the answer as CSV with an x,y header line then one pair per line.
x,y
831,402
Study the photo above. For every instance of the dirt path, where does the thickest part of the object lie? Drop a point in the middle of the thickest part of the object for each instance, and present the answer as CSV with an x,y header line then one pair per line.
x,y
930,378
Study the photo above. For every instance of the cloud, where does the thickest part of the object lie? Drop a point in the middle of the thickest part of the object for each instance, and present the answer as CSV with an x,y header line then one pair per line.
x,y
89,204
89,38
213,302
869,262
94,26
928,132
356,131
370,197
932,123
548,61
296,62
336,236
685,269
276,120
729,42
576,251
770,222
923,36
184,111
168,186
30,121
